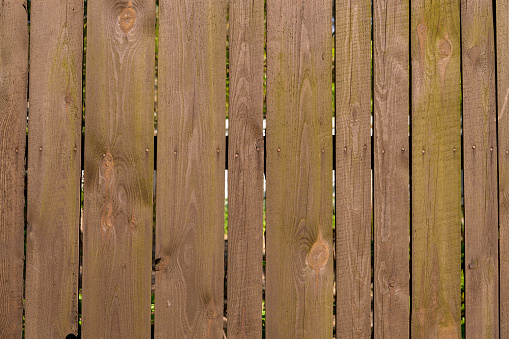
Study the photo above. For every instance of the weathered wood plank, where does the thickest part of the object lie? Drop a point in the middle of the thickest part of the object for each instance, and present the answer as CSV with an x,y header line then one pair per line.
x,y
436,169
190,169
299,260
54,169
117,232
13,114
480,169
353,169
391,173
502,39
245,170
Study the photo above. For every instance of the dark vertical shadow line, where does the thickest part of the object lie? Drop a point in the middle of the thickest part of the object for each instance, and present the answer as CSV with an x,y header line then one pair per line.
x,y
225,179
25,220
410,148
333,76
495,49
372,155
264,110
463,243
82,166
154,189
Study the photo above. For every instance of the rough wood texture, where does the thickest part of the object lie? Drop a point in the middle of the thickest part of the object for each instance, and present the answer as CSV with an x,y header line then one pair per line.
x,y
353,169
13,113
391,169
190,169
117,232
54,169
245,170
480,169
436,169
299,253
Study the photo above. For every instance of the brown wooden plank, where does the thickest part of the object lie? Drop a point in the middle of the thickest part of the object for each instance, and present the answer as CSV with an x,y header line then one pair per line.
x,y
245,170
54,169
502,39
13,113
299,260
353,169
480,169
436,169
391,169
190,169
117,232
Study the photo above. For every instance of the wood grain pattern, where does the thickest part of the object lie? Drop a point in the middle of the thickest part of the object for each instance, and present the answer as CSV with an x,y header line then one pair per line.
x,y
480,169
299,253
190,169
353,169
13,114
54,169
436,169
117,232
245,170
502,39
391,172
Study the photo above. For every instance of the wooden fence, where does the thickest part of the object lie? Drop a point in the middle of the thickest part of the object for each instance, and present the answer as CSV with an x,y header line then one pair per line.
x,y
386,261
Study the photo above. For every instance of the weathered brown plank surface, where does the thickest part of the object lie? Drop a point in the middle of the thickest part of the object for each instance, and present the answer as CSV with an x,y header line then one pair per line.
x,y
245,169
480,169
13,112
436,169
54,169
502,39
353,169
117,232
299,259
391,169
190,169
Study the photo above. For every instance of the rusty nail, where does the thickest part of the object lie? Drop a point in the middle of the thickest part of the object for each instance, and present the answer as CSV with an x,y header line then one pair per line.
x,y
473,146
423,151
40,148
236,155
217,150
471,265
279,149
146,149
403,149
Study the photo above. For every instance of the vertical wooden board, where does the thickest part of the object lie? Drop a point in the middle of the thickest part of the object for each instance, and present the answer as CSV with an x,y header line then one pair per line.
x,y
353,169
245,170
391,172
502,39
13,113
436,169
480,169
190,169
117,232
54,169
299,253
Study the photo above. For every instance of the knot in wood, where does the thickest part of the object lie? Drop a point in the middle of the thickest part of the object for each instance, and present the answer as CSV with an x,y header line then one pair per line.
x,y
318,255
445,48
474,53
211,314
421,29
107,160
126,19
